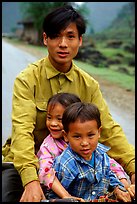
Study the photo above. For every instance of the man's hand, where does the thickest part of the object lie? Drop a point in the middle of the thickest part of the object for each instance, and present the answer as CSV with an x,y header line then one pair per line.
x,y
121,195
132,179
33,192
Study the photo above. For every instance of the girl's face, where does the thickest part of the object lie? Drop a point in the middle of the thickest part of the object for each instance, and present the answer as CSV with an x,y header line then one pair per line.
x,y
83,137
54,120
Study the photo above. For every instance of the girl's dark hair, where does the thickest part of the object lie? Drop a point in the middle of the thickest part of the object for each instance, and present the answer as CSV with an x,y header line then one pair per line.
x,y
65,99
80,111
60,18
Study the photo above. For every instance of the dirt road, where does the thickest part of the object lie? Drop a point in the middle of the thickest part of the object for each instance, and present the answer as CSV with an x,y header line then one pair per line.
x,y
121,102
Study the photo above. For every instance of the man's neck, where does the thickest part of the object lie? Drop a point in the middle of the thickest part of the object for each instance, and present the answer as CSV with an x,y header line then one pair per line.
x,y
60,66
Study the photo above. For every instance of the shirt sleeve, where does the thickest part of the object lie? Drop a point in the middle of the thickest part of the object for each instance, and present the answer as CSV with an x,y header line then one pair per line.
x,y
46,172
113,136
117,169
23,124
64,173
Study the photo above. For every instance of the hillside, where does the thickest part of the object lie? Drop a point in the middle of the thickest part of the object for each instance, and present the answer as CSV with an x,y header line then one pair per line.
x,y
122,27
101,14
113,48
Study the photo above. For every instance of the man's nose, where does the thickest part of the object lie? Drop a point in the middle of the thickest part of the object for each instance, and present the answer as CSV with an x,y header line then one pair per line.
x,y
63,42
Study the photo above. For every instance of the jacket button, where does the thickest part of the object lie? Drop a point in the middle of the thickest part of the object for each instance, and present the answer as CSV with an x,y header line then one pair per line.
x,y
93,192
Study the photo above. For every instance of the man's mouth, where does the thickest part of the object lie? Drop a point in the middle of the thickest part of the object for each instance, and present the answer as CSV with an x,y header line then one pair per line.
x,y
63,54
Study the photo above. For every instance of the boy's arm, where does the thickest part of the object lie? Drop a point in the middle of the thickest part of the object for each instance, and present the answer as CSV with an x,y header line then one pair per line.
x,y
61,191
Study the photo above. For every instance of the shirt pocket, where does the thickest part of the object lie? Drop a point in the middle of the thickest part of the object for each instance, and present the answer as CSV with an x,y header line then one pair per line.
x,y
41,108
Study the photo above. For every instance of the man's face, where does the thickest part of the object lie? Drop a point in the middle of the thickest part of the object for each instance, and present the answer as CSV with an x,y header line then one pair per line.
x,y
63,47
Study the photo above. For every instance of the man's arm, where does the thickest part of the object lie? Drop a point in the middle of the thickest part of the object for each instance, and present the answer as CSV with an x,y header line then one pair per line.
x,y
113,136
23,124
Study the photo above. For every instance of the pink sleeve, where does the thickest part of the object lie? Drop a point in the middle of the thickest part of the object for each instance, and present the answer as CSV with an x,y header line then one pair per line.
x,y
46,172
117,169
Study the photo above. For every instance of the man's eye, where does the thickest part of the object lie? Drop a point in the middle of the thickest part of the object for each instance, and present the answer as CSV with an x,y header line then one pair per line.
x,y
71,36
54,36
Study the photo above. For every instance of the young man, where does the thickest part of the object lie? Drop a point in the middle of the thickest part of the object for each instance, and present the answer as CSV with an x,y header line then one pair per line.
x,y
62,34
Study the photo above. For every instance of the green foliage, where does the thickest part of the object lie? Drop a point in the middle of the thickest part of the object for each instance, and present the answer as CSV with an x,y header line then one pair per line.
x,y
38,10
121,79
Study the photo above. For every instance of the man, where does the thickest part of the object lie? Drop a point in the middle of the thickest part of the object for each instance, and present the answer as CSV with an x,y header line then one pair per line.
x,y
62,34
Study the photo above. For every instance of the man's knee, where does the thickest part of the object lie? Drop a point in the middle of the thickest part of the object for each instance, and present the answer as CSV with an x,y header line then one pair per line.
x,y
12,188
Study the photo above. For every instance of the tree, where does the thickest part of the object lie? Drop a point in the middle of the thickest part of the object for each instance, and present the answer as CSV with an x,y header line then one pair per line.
x,y
37,11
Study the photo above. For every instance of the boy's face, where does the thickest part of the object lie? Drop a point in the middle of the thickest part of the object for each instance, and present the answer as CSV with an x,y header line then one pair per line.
x,y
54,120
83,137
63,47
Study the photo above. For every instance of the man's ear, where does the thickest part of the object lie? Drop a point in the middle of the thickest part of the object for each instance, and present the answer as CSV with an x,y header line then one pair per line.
x,y
65,136
45,38
80,41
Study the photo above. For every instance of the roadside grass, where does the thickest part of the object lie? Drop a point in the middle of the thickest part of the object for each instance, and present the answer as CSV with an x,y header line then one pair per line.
x,y
113,76
123,80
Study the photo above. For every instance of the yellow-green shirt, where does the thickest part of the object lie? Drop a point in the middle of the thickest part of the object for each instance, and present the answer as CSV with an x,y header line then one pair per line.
x,y
32,89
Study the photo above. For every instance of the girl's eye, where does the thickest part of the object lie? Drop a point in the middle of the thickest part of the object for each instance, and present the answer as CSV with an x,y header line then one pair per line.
x,y
48,117
60,119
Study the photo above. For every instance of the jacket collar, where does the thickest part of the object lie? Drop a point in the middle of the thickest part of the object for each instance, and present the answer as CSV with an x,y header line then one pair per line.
x,y
52,72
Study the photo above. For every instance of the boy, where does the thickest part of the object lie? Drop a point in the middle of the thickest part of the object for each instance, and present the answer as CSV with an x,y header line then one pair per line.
x,y
83,168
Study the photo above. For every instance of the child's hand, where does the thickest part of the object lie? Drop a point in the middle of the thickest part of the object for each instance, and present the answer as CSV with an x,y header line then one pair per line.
x,y
79,199
76,198
131,190
121,195
125,182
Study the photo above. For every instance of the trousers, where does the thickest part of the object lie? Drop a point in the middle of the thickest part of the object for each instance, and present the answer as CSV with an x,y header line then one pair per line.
x,y
12,187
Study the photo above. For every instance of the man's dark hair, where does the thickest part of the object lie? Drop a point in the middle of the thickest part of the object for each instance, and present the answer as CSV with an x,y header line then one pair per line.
x,y
60,18
82,112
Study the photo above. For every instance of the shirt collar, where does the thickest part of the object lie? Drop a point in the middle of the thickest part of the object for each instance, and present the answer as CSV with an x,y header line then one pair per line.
x,y
52,72
99,150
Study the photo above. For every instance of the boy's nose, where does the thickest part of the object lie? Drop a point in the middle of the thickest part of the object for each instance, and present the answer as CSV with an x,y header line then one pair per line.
x,y
84,142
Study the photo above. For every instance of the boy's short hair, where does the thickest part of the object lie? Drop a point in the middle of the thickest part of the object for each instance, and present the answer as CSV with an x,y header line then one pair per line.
x,y
60,18
82,112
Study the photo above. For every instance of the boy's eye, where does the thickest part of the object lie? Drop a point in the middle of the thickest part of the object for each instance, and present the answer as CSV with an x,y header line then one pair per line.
x,y
91,135
76,136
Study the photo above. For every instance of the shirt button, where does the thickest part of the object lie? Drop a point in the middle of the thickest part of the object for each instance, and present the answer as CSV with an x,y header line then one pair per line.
x,y
93,192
